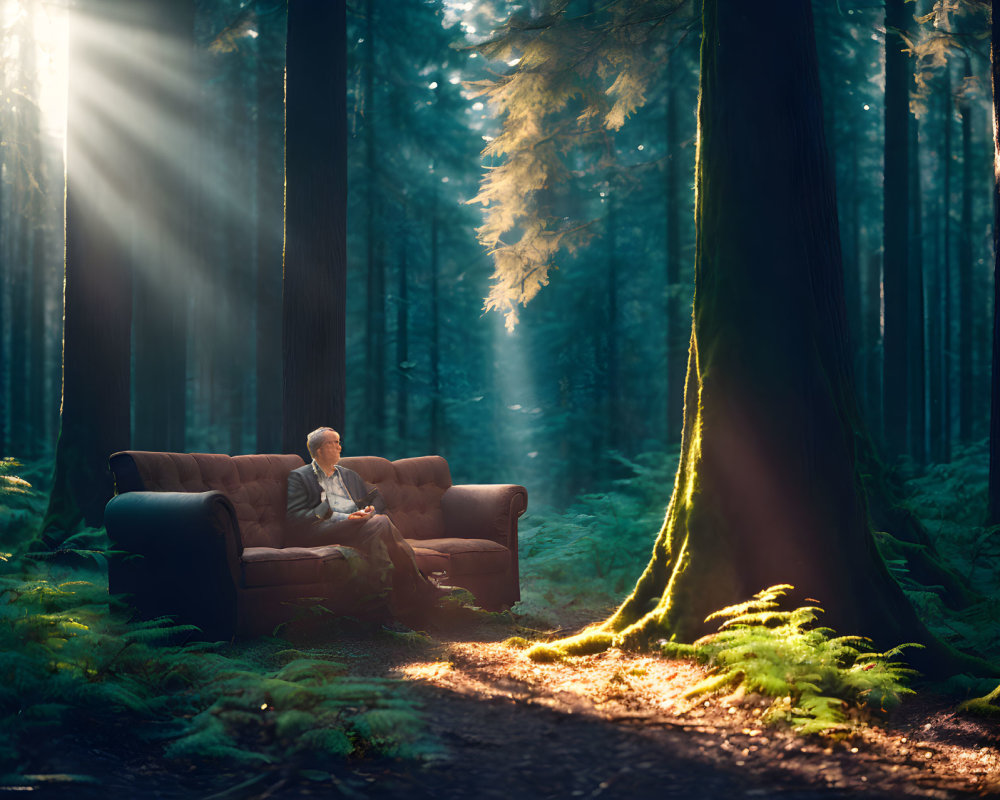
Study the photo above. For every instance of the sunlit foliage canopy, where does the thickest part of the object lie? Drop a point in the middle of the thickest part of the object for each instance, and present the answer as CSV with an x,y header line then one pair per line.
x,y
577,78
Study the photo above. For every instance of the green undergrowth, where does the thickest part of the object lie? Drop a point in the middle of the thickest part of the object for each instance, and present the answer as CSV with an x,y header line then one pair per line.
x,y
950,500
821,683
68,664
588,557
21,506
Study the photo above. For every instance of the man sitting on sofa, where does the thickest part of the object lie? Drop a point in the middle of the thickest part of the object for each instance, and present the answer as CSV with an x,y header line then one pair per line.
x,y
329,504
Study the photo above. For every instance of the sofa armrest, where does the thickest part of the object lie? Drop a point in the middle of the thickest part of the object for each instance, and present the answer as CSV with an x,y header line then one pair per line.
x,y
484,511
160,523
177,554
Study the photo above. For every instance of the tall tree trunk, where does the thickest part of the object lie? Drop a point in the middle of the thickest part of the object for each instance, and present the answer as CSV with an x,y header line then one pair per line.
x,y
935,345
5,302
946,270
270,180
437,422
237,270
677,300
896,234
162,199
993,506
872,337
965,278
19,352
39,406
374,373
854,299
611,391
402,335
915,309
26,208
97,300
767,490
315,262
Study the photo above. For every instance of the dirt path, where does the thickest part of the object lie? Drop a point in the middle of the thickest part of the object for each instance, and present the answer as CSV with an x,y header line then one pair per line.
x,y
615,725
612,725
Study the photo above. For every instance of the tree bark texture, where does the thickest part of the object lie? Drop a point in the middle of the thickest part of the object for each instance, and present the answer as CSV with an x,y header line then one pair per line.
x,y
315,260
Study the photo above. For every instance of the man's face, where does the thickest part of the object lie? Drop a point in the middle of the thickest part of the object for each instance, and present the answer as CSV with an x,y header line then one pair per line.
x,y
330,449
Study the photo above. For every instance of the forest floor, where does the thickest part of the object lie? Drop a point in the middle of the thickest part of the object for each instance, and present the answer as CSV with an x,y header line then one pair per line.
x,y
609,725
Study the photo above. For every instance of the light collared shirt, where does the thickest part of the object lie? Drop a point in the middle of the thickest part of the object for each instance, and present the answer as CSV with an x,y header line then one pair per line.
x,y
337,496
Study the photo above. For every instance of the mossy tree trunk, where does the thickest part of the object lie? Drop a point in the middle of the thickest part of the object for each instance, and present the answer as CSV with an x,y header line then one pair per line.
x,y
767,489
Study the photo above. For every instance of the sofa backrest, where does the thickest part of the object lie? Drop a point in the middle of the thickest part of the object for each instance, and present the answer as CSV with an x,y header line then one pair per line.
x,y
256,484
265,494
412,488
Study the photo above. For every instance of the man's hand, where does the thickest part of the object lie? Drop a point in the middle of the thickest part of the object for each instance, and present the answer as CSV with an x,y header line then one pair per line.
x,y
363,513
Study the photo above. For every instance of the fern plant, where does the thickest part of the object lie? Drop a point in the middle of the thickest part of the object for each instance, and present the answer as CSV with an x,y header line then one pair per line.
x,y
11,484
816,678
64,660
19,504
62,655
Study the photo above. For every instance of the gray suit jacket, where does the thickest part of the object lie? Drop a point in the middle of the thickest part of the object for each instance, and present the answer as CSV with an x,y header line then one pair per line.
x,y
304,492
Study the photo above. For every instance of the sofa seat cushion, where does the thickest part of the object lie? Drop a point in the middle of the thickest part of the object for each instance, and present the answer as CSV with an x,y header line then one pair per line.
x,y
461,556
278,566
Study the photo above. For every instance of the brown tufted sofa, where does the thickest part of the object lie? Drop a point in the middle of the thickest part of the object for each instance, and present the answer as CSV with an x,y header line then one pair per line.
x,y
201,537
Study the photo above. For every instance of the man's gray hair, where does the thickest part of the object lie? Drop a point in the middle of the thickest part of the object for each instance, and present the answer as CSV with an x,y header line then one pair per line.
x,y
314,441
